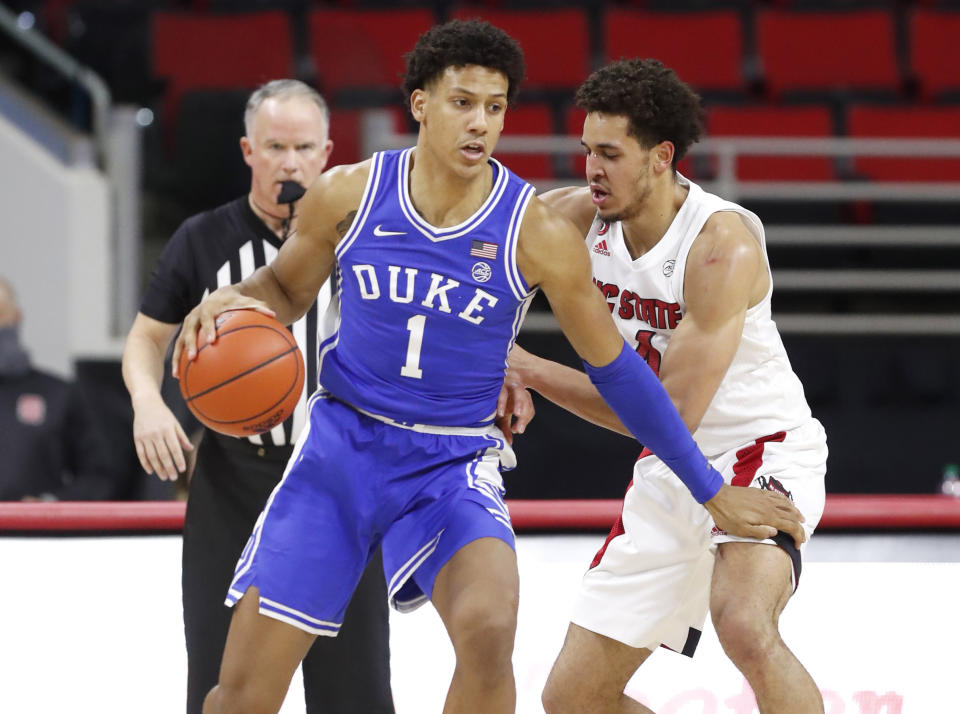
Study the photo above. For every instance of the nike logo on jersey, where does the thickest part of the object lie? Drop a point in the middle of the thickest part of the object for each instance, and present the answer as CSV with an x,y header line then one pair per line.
x,y
378,231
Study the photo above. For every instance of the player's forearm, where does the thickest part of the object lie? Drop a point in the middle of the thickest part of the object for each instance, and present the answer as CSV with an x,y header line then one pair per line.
x,y
633,391
264,285
692,374
571,389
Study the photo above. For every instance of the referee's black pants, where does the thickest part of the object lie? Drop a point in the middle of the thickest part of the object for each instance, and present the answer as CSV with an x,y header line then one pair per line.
x,y
346,674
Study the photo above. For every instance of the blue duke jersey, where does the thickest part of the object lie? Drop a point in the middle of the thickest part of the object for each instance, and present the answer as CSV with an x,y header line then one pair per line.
x,y
425,316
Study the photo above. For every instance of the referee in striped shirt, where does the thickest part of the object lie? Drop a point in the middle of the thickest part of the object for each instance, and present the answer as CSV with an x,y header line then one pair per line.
x,y
286,140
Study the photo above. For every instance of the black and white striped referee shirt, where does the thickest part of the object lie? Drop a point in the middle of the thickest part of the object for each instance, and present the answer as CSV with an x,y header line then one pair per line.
x,y
222,247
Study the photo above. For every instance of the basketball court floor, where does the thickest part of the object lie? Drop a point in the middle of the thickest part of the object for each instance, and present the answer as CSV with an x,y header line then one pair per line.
x,y
92,624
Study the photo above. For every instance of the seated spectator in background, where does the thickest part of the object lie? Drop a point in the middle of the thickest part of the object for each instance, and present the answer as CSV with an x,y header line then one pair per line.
x,y
49,446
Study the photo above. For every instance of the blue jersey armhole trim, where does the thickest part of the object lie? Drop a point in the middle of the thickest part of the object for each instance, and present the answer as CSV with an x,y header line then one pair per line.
x,y
514,278
366,203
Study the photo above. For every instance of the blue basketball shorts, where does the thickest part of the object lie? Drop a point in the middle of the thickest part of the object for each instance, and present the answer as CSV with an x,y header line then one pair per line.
x,y
355,482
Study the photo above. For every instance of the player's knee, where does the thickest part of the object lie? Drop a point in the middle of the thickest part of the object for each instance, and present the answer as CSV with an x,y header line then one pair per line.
x,y
559,696
747,639
483,633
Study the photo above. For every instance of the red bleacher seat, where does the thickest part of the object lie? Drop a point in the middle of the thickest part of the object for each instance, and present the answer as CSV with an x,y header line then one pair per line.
x,y
53,18
825,51
766,121
935,50
363,49
528,119
574,127
219,51
346,131
704,48
556,45
906,122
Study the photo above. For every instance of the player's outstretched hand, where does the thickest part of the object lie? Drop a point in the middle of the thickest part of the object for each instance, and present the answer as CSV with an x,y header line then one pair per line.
x,y
514,408
159,438
755,513
204,316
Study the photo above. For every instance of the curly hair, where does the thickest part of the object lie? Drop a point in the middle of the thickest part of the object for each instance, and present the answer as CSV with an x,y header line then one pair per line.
x,y
657,104
458,43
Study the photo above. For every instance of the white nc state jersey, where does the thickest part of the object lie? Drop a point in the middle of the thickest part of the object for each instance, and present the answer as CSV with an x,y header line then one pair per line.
x,y
760,394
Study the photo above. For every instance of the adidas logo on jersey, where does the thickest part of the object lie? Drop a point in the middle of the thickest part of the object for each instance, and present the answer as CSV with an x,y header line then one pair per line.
x,y
601,248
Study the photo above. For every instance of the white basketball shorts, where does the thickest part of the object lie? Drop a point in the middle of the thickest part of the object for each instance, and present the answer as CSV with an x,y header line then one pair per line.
x,y
649,585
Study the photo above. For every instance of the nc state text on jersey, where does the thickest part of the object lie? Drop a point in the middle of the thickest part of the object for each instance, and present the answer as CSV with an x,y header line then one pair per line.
x,y
658,314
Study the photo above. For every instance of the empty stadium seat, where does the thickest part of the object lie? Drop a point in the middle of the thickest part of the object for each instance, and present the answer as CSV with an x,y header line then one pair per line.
x,y
935,51
828,5
828,51
704,48
556,45
573,125
357,51
114,41
193,51
768,121
346,130
208,164
906,122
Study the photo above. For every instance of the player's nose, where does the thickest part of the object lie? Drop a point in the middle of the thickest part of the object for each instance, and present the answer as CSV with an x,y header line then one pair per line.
x,y
478,120
594,166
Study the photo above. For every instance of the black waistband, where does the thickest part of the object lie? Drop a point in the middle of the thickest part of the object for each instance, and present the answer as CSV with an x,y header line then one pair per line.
x,y
246,447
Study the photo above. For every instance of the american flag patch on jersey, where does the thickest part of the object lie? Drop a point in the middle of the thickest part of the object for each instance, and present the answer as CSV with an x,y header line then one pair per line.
x,y
483,249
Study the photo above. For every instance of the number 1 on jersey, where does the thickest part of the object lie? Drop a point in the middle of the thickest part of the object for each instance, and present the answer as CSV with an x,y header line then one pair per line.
x,y
415,326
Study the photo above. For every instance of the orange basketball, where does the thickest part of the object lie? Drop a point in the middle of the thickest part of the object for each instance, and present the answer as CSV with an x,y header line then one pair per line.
x,y
249,380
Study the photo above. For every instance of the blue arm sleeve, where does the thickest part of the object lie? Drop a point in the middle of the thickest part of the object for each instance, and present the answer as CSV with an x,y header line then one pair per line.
x,y
635,394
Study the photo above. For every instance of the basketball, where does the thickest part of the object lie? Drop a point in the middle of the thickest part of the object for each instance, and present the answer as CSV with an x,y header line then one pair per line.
x,y
249,380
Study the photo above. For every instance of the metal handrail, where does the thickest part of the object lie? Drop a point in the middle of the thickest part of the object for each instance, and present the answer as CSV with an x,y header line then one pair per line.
x,y
839,236
916,324
96,87
868,280
744,145
728,149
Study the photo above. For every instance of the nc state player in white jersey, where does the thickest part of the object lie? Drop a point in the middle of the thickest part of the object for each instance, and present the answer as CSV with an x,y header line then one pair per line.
x,y
686,277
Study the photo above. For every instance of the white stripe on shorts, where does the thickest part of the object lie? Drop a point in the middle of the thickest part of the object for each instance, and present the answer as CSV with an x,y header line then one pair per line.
x,y
404,571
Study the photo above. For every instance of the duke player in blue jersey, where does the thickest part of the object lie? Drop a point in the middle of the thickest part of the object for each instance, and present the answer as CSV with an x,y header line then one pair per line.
x,y
437,252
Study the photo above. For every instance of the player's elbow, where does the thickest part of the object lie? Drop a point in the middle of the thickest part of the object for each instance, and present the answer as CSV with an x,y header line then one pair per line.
x,y
689,413
689,405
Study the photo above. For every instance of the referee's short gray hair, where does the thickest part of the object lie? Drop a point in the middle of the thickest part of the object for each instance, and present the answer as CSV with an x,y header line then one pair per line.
x,y
284,89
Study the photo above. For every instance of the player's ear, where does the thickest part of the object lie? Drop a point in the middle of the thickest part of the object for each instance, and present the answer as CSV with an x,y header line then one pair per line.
x,y
662,155
327,150
246,148
418,100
